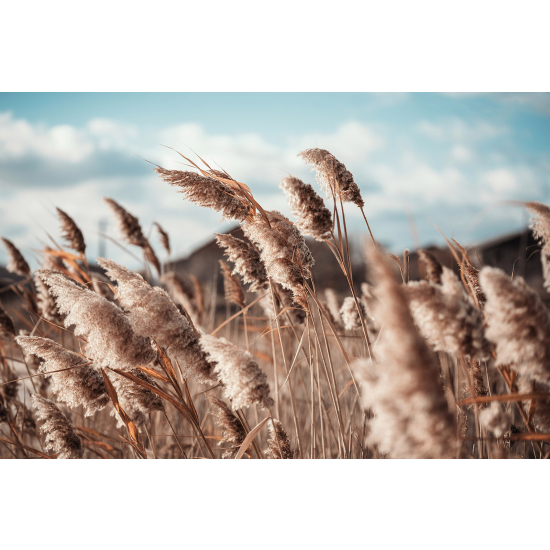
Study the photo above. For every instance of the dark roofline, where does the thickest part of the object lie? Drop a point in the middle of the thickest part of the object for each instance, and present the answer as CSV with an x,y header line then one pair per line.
x,y
502,239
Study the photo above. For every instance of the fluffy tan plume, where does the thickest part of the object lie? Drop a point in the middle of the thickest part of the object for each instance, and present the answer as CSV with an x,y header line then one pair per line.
x,y
16,263
540,224
349,314
164,238
152,314
45,301
312,216
480,388
60,434
131,232
471,275
447,317
518,324
283,251
75,382
7,329
232,287
71,232
412,418
430,266
278,443
495,419
333,176
233,431
111,341
246,259
207,192
244,382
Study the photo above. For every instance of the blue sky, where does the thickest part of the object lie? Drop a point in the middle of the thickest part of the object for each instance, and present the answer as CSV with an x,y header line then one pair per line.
x,y
447,159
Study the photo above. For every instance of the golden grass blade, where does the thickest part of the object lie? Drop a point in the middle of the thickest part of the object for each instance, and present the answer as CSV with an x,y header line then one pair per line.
x,y
507,398
154,373
132,429
35,451
250,437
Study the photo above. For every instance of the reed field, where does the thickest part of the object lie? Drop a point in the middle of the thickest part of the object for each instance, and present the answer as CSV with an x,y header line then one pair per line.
x,y
99,361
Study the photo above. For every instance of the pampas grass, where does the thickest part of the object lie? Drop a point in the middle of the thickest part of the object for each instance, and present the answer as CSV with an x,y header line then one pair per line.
x,y
155,364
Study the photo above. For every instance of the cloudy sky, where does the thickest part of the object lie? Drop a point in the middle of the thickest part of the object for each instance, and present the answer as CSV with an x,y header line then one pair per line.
x,y
450,160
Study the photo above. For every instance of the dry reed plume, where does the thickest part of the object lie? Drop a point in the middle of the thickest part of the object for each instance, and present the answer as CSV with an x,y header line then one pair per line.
x,y
334,177
518,323
71,232
75,382
243,381
447,317
405,379
540,223
16,263
131,232
60,433
152,314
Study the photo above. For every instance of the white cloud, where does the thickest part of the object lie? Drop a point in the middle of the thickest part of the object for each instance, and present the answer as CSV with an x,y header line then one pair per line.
x,y
353,141
108,134
61,143
539,101
459,153
500,179
412,180
458,130
244,156
18,138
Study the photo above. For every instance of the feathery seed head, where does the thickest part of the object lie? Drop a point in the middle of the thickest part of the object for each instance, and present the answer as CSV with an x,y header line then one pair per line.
x,y
471,275
164,238
152,314
75,382
246,259
447,317
244,383
333,176
108,332
60,434
312,216
350,315
495,419
540,224
233,431
207,192
232,287
431,267
45,301
16,263
283,251
480,389
278,443
128,225
71,232
412,416
7,329
518,324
